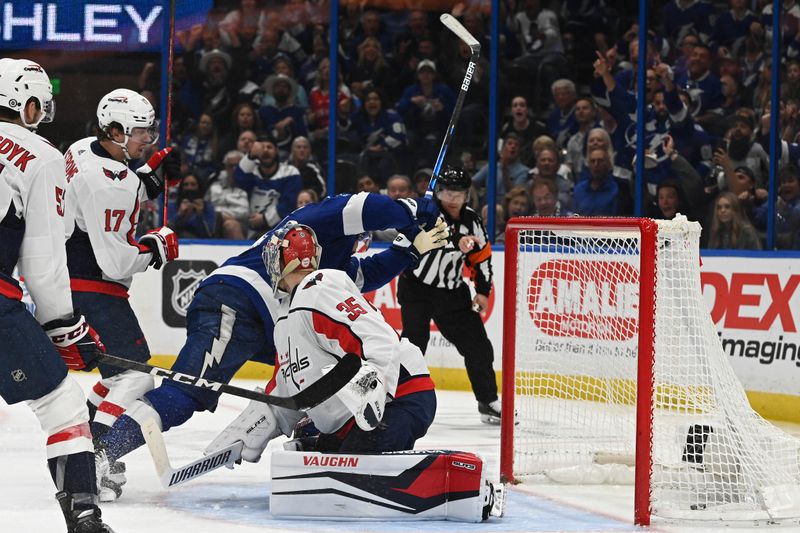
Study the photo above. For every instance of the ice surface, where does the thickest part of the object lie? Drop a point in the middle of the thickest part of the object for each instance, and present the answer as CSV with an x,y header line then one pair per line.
x,y
237,501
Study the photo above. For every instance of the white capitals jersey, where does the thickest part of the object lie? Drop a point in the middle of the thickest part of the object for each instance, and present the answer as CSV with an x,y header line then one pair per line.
x,y
326,317
32,180
103,196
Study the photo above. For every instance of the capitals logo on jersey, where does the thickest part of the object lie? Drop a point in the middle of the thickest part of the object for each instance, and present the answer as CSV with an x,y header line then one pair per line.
x,y
110,174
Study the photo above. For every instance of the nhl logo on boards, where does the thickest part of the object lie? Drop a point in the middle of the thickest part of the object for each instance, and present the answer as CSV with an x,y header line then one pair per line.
x,y
587,299
180,280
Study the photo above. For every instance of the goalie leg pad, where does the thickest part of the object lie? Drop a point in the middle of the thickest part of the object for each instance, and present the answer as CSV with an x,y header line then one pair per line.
x,y
413,485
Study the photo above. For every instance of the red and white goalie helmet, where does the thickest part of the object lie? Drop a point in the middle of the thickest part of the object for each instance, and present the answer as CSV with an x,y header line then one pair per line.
x,y
21,80
290,247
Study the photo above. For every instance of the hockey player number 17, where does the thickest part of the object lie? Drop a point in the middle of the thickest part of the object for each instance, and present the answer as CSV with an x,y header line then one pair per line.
x,y
118,215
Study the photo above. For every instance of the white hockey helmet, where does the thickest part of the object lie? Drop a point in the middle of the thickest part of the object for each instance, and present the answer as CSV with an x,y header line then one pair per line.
x,y
128,109
21,80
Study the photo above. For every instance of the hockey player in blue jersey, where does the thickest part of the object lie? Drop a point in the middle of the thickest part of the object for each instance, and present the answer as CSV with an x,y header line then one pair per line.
x,y
230,319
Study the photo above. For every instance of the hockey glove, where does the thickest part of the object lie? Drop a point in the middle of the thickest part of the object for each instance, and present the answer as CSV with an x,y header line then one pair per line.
x,y
162,243
365,396
423,211
255,427
77,343
164,163
424,242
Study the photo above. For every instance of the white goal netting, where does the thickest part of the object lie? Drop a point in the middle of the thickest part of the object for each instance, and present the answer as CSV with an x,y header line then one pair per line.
x,y
575,380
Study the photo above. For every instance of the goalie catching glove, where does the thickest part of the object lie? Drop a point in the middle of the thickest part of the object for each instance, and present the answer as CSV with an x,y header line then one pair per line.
x,y
364,396
164,164
77,343
425,241
163,243
255,427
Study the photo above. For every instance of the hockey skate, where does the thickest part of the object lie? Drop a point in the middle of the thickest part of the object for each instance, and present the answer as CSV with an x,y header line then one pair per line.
x,y
83,519
490,412
110,477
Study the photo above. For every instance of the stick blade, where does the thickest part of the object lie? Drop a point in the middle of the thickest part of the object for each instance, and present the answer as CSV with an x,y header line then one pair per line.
x,y
456,27
169,476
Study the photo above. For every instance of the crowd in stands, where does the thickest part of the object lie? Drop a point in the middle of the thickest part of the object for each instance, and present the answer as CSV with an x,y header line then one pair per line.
x,y
251,111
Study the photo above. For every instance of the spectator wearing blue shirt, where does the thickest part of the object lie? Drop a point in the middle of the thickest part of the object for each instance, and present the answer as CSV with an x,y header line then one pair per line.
x,y
382,134
683,16
702,85
597,192
191,216
561,124
731,28
426,107
200,148
271,185
510,172
284,120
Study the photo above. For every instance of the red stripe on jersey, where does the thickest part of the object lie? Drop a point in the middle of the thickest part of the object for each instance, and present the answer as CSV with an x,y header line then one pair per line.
x,y
415,384
111,409
72,432
271,385
345,429
98,286
131,232
10,290
100,389
348,341
442,476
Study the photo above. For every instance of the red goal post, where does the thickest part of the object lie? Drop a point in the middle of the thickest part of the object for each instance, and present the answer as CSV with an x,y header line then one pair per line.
x,y
610,360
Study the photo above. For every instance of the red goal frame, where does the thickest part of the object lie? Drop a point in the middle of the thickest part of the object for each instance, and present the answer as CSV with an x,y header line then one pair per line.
x,y
648,231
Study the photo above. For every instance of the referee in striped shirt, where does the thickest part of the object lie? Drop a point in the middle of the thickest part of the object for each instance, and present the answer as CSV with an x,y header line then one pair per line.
x,y
436,290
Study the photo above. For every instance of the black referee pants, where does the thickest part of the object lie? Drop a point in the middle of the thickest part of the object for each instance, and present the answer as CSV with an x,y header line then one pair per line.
x,y
451,311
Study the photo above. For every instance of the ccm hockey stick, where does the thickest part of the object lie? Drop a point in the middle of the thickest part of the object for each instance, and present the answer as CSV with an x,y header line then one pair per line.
x,y
475,47
170,476
316,393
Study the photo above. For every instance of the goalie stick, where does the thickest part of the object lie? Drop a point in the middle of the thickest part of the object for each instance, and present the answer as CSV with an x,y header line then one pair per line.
x,y
170,476
475,48
311,396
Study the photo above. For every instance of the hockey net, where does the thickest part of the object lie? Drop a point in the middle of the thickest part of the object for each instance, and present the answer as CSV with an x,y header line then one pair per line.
x,y
595,307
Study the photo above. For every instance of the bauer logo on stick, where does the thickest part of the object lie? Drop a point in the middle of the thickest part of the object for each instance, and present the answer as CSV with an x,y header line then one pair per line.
x,y
468,76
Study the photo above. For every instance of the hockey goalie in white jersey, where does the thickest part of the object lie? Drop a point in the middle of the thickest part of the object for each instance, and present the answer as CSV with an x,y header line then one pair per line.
x,y
369,426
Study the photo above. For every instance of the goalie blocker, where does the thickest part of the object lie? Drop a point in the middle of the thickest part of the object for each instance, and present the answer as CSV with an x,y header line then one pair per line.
x,y
410,485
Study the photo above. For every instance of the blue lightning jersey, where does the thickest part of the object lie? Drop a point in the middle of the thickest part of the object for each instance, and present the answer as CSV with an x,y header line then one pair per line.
x,y
337,221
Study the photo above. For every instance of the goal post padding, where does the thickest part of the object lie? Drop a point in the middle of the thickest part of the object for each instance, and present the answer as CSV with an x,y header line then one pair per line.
x,y
610,359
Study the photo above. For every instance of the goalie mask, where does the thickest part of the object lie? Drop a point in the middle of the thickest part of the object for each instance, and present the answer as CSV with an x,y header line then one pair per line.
x,y
22,80
132,113
289,248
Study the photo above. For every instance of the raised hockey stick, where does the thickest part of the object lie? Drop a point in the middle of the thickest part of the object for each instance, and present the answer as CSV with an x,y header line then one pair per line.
x,y
170,60
475,47
170,476
313,395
